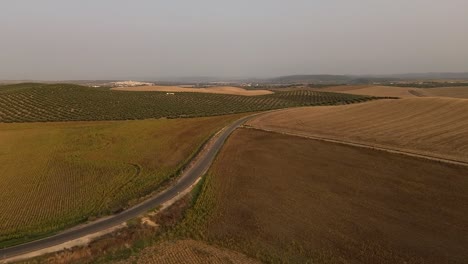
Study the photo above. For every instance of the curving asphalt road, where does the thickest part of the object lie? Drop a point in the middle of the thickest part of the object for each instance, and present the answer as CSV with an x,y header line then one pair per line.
x,y
187,178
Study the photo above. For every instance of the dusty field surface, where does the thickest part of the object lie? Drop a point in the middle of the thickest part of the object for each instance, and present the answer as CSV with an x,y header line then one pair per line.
x,y
289,199
385,91
431,126
54,175
215,90
456,92
402,92
188,251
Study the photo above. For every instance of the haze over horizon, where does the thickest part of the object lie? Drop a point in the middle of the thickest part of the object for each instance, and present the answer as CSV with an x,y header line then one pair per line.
x,y
65,40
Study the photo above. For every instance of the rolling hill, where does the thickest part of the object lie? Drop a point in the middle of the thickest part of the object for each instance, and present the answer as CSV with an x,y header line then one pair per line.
x,y
432,126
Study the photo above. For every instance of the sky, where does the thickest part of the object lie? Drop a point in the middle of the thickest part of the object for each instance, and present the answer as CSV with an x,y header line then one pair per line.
x,y
151,39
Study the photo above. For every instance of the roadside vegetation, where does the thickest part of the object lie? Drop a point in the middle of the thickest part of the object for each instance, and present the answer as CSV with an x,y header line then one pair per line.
x,y
55,175
66,102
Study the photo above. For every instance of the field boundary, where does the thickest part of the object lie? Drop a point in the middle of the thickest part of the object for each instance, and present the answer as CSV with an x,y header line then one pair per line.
x,y
363,145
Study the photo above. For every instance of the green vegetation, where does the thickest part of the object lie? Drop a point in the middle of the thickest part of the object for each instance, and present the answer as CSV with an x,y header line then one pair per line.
x,y
55,175
66,102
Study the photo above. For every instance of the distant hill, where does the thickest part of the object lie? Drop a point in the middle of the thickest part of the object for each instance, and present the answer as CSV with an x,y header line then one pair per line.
x,y
329,79
365,79
311,78
432,75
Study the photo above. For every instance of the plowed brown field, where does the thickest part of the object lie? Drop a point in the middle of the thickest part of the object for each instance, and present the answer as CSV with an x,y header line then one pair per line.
x,y
436,127
295,200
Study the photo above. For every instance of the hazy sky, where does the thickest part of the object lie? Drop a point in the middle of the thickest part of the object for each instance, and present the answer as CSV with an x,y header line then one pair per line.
x,y
117,39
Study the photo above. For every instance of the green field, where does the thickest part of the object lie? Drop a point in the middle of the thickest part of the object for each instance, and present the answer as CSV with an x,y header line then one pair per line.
x,y
55,175
65,102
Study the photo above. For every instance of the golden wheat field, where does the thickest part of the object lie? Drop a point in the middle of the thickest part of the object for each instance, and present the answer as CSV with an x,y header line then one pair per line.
x,y
456,92
214,90
431,126
55,175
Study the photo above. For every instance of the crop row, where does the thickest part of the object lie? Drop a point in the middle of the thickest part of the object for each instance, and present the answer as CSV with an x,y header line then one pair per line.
x,y
39,103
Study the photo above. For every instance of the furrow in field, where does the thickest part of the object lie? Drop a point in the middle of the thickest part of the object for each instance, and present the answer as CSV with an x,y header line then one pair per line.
x,y
431,126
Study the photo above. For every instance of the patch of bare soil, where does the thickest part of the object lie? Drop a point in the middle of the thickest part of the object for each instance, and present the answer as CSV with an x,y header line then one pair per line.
x,y
216,90
291,199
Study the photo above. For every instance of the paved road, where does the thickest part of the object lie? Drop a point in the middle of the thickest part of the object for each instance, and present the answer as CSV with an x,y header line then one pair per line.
x,y
188,177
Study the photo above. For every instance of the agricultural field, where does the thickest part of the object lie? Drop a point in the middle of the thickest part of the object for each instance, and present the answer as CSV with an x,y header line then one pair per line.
x,y
287,199
370,90
215,90
435,127
401,92
188,251
65,102
455,92
55,175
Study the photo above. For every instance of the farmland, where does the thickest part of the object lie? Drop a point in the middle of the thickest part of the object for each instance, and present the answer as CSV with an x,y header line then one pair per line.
x,y
282,198
215,90
55,175
371,90
436,127
189,251
64,102
402,92
456,92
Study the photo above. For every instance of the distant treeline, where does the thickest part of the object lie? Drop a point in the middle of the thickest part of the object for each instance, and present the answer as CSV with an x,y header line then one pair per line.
x,y
429,84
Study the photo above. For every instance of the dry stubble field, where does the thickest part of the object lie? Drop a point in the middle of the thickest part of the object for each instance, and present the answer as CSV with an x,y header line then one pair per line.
x,y
402,92
289,199
373,90
55,175
432,126
456,92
